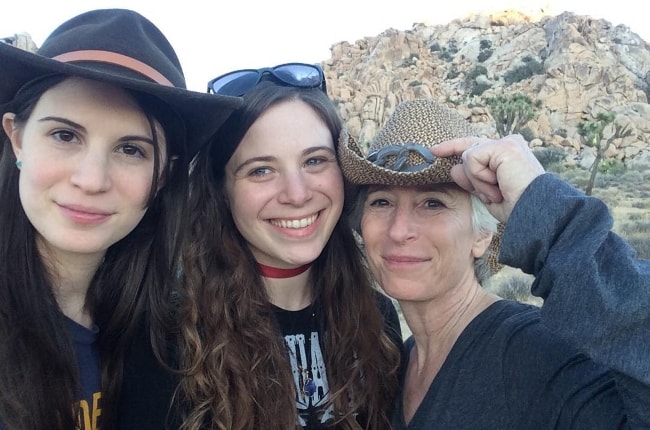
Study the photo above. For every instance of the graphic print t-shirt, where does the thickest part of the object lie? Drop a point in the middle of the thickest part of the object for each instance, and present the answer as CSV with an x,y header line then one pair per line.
x,y
89,374
300,331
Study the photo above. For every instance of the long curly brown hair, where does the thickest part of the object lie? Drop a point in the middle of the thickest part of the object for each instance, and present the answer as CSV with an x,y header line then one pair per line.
x,y
236,368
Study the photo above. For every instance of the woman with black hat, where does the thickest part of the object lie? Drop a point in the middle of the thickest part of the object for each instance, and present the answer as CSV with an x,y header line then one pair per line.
x,y
99,130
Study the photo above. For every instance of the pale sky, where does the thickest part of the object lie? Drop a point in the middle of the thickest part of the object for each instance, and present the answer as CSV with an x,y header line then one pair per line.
x,y
215,37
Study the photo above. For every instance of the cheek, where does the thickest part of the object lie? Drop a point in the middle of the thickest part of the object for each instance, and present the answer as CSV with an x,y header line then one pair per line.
x,y
370,233
134,187
38,174
332,186
243,203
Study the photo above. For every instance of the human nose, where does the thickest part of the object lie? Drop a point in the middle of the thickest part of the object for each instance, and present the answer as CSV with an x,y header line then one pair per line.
x,y
91,172
295,189
402,226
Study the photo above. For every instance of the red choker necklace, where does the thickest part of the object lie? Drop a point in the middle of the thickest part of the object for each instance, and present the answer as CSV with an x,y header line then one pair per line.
x,y
274,272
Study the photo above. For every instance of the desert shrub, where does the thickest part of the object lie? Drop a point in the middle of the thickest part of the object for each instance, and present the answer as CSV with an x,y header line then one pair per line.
x,y
483,55
515,287
640,228
447,52
453,73
452,46
607,180
474,88
511,112
633,176
611,166
475,73
635,217
434,47
530,67
560,169
641,205
415,83
446,55
561,132
485,51
637,234
411,61
641,244
527,133
479,89
576,177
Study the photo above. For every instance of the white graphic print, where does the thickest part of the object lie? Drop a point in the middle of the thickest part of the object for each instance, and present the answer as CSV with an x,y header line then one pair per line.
x,y
310,379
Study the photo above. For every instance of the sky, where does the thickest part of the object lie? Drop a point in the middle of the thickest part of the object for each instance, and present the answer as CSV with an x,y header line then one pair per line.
x,y
215,37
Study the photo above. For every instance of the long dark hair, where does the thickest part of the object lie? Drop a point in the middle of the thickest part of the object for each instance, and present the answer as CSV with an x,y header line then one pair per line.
x,y
237,370
39,382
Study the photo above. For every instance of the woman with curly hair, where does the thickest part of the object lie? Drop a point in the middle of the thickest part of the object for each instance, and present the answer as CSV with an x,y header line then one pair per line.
x,y
282,326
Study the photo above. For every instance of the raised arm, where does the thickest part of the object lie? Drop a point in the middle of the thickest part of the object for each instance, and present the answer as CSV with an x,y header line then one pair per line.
x,y
596,291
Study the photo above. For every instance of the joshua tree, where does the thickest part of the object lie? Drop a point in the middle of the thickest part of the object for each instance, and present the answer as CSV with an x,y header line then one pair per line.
x,y
592,134
511,113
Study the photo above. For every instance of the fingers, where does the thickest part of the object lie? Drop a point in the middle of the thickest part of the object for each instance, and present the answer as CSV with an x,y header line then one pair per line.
x,y
496,171
456,146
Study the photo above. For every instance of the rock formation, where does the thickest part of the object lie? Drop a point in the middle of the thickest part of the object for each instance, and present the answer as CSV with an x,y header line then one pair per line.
x,y
577,66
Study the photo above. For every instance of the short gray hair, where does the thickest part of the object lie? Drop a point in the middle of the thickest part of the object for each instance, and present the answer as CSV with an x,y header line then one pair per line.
x,y
482,223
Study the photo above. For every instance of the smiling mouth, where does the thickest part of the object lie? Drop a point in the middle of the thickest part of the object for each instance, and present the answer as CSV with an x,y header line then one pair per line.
x,y
295,223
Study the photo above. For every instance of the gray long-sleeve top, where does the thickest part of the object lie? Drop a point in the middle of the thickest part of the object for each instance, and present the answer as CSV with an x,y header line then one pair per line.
x,y
596,291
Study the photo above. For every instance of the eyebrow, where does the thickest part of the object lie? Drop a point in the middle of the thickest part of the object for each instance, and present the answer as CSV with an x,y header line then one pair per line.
x,y
84,130
64,121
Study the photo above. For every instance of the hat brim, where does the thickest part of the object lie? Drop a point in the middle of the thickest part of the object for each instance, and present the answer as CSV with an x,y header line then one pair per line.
x,y
203,113
358,170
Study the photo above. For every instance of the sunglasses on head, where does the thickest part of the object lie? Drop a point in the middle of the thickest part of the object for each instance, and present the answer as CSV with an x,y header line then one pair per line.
x,y
240,82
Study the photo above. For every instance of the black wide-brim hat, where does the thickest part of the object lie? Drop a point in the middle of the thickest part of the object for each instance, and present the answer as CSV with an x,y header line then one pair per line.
x,y
120,47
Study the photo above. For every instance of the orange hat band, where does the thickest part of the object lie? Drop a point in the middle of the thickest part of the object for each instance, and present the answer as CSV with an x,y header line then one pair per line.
x,y
117,59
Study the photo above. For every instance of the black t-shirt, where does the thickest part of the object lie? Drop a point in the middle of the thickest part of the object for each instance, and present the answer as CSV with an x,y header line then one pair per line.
x,y
148,388
302,331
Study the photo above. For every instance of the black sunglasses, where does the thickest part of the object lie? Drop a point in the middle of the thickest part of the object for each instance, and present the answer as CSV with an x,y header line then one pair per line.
x,y
240,82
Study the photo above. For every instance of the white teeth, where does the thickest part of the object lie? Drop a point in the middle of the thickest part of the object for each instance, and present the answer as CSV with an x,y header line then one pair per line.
x,y
295,223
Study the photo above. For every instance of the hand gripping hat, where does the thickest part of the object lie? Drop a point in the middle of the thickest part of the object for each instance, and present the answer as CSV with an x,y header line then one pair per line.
x,y
399,155
123,48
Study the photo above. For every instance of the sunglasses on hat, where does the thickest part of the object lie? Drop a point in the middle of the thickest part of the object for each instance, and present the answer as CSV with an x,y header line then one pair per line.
x,y
240,82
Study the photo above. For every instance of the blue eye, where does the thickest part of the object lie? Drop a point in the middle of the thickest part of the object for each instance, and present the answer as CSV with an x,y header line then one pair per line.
x,y
315,161
260,171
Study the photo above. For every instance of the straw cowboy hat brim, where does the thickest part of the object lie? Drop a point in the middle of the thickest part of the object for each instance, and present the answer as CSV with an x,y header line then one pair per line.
x,y
401,147
360,171
123,48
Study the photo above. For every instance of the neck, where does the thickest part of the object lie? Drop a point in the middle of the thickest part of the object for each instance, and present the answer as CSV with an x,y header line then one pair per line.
x,y
292,293
277,273
437,324
71,276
